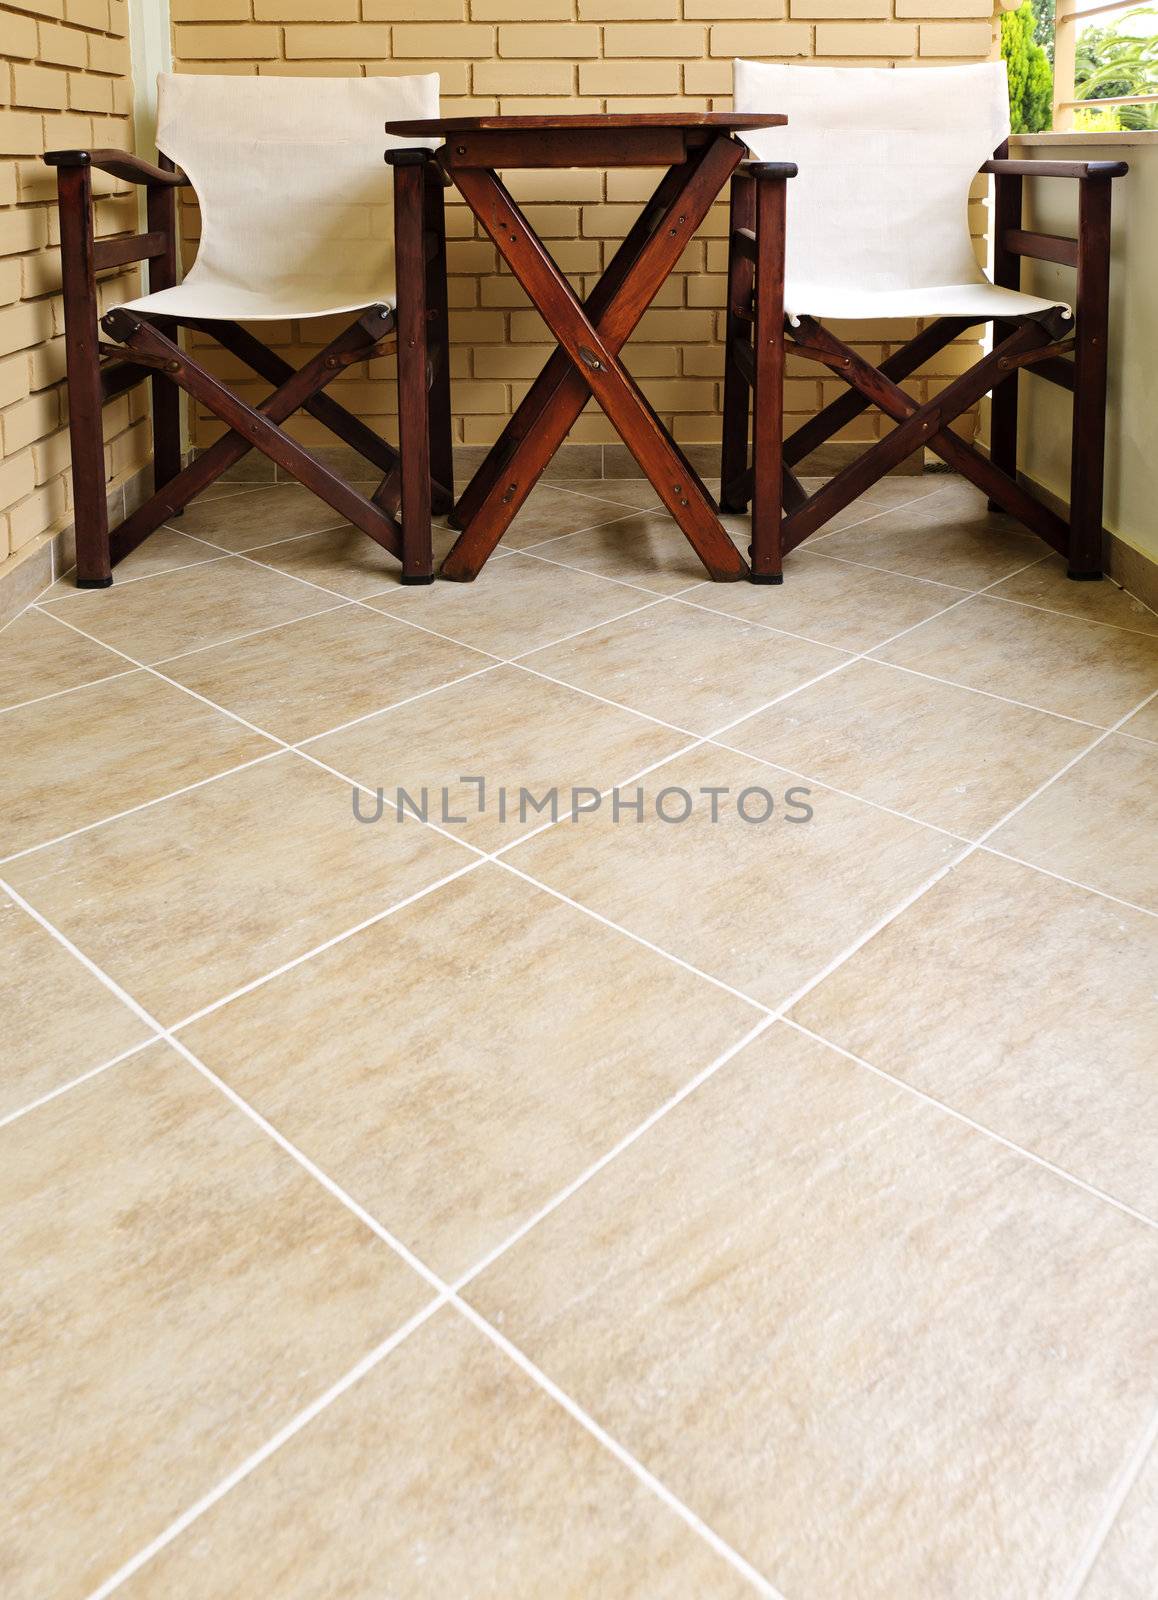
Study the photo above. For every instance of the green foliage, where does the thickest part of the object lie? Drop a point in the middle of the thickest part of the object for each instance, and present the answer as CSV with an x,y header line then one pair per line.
x,y
1109,63
1043,25
1030,74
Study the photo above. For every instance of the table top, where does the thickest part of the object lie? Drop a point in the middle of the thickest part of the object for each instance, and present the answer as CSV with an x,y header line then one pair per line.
x,y
726,121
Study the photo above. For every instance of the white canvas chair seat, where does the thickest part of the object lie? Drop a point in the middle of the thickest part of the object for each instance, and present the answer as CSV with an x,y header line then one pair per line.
x,y
296,200
878,218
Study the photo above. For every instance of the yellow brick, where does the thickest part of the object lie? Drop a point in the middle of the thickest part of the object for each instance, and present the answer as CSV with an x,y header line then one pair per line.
x,y
39,86
20,39
461,39
108,55
760,39
64,47
453,75
219,10
680,394
510,362
345,43
549,39
87,92
629,77
198,42
13,379
481,327
520,10
944,8
627,39
955,38
726,10
638,10
21,229
840,8
553,222
681,327
708,77
553,184
291,11
30,419
84,13
17,478
522,77
412,10
20,134
887,39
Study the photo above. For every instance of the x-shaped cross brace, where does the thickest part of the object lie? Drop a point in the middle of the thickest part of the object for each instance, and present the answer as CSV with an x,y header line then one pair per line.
x,y
586,362
926,424
252,426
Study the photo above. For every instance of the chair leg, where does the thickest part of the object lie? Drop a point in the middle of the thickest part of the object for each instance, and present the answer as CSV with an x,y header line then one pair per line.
x,y
413,389
85,392
166,397
438,410
734,450
1003,417
768,387
1088,456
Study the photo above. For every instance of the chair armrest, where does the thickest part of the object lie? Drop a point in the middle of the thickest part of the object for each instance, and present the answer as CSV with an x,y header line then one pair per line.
x,y
768,169
1056,169
118,164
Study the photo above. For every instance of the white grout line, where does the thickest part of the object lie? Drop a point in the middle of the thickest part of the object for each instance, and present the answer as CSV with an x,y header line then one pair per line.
x,y
978,1127
1074,883
1053,611
1116,1500
442,1294
38,699
271,1445
73,1083
326,944
127,580
604,1160
612,1445
144,805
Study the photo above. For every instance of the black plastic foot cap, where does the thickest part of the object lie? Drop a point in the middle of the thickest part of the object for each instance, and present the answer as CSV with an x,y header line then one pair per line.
x,y
411,580
94,583
767,577
732,510
1085,577
453,520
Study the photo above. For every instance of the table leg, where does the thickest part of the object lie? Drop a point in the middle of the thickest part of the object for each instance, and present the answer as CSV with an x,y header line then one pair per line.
x,y
592,351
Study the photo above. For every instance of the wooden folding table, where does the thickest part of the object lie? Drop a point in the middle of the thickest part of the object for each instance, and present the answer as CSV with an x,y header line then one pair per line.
x,y
700,152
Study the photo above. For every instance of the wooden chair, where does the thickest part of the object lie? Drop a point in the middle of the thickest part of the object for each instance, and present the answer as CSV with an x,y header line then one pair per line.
x,y
858,210
295,224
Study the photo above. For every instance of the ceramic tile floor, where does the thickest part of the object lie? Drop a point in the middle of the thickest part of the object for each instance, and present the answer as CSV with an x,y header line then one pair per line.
x,y
491,1204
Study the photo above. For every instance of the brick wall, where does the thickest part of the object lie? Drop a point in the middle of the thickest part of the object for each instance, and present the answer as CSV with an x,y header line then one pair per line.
x,y
64,82
597,55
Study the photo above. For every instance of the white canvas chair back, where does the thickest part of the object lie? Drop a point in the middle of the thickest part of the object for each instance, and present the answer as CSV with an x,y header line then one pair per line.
x,y
296,199
878,218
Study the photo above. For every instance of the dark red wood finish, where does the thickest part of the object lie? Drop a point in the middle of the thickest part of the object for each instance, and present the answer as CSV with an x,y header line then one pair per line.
x,y
700,155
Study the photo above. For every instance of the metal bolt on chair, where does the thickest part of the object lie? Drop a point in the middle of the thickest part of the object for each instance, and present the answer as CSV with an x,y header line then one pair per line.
x,y
857,209
295,224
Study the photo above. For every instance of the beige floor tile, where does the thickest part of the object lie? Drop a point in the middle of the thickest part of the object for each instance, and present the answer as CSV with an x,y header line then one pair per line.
x,y
448,1470
185,901
1046,585
649,549
947,536
510,728
944,755
191,608
1127,1562
312,675
242,521
163,551
635,492
224,488
1144,724
176,1288
79,758
549,511
1023,1002
514,605
762,906
833,602
887,494
880,1354
39,657
694,668
1097,824
1078,669
346,561
58,1020
457,1064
